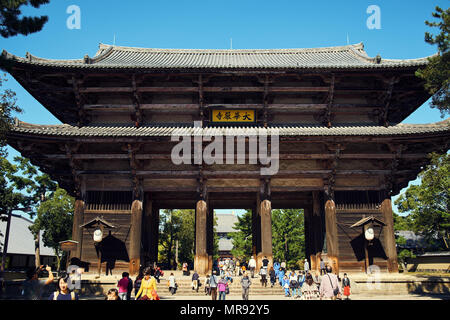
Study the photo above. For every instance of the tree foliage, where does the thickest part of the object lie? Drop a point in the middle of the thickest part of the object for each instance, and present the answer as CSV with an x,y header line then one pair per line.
x,y
288,236
13,23
437,72
54,218
429,203
242,238
8,107
22,185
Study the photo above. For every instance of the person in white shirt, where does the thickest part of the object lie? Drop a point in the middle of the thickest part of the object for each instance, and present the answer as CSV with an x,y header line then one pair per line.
x,y
252,266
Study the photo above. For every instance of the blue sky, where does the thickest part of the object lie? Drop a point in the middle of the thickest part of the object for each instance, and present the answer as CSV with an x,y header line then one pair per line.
x,y
251,24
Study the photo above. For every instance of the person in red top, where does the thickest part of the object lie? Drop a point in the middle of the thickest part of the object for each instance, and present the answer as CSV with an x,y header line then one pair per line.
x,y
123,286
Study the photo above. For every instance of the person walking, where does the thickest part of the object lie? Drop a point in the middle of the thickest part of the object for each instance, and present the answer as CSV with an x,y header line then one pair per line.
x,y
306,265
330,287
301,280
123,286
309,290
245,283
195,281
62,290
33,288
147,289
263,275
207,286
158,273
293,284
172,284
213,281
265,263
252,266
287,292
281,276
346,286
222,287
237,272
322,267
273,277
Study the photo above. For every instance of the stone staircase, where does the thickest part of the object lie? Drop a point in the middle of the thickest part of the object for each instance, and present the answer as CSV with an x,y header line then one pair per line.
x,y
92,286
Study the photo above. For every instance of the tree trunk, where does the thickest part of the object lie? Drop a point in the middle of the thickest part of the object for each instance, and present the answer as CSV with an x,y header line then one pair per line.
x,y
37,251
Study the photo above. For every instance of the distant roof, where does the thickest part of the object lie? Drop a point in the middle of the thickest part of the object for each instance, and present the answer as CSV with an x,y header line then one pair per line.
x,y
21,240
225,244
283,130
113,57
225,222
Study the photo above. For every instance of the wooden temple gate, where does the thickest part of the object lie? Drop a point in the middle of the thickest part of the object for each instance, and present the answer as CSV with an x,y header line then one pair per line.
x,y
336,112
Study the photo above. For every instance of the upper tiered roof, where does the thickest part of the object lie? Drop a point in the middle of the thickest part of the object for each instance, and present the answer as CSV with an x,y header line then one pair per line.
x,y
112,57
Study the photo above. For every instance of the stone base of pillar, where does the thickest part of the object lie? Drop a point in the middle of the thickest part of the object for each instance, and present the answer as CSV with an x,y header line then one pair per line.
x,y
392,265
210,263
201,264
314,265
134,265
334,263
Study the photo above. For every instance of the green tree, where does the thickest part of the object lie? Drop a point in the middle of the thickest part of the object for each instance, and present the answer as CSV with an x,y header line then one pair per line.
x,y
242,238
428,203
288,236
402,223
169,227
8,107
13,23
54,218
186,236
437,72
22,186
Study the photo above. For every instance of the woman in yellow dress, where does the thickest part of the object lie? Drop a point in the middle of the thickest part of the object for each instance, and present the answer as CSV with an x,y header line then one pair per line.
x,y
147,290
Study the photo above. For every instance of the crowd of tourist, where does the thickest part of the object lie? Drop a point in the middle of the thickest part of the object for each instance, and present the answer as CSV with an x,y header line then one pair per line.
x,y
297,284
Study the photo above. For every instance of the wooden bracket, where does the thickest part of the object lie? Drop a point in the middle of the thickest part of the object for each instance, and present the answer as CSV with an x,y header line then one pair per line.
x,y
330,100
136,102
79,102
387,101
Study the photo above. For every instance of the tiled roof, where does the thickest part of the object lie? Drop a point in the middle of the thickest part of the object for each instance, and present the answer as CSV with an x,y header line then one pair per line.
x,y
161,131
340,57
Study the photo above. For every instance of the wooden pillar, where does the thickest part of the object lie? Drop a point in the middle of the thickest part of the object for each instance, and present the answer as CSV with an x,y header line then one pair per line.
x,y
209,234
135,237
307,213
316,231
150,237
391,250
265,212
77,232
256,227
332,234
201,254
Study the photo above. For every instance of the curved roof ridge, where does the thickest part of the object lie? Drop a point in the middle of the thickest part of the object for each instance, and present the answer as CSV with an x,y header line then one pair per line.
x,y
27,125
357,46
